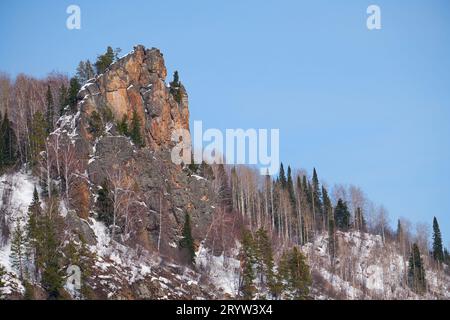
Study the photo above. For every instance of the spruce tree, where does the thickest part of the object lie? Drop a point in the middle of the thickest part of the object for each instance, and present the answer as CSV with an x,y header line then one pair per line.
x,y
416,272
187,242
18,250
73,92
290,188
33,232
265,262
282,177
342,215
438,253
317,198
135,133
299,275
105,205
52,280
248,258
328,213
8,144
50,111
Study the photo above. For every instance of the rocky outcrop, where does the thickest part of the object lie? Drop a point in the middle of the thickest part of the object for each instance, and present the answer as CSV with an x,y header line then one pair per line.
x,y
137,82
159,193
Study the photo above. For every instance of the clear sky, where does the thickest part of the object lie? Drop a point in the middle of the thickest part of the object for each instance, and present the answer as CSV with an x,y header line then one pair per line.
x,y
371,108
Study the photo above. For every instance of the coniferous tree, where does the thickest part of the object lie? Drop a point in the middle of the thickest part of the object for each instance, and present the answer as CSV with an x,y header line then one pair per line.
x,y
282,177
438,253
187,242
264,257
328,213
8,143
33,232
73,92
18,250
317,199
290,188
85,71
416,272
50,111
135,133
175,85
248,258
122,126
52,278
294,274
342,215
78,254
105,60
105,205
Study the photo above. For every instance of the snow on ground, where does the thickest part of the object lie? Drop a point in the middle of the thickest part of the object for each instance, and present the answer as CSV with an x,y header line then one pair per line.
x,y
222,271
367,268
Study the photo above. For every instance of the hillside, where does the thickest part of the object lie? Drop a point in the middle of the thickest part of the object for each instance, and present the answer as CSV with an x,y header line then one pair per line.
x,y
101,191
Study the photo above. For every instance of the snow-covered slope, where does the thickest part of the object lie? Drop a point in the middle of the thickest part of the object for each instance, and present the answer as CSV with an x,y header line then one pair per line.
x,y
367,268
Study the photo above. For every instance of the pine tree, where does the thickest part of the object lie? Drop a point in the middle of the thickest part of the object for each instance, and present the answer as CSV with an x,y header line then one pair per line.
x,y
135,133
416,272
18,250
104,60
175,85
342,215
187,242
248,258
438,253
105,205
50,111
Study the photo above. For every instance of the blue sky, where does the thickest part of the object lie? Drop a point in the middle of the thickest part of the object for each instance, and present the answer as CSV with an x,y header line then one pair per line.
x,y
371,108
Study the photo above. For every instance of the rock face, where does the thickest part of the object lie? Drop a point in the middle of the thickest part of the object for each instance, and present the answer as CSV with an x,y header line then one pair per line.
x,y
136,82
158,193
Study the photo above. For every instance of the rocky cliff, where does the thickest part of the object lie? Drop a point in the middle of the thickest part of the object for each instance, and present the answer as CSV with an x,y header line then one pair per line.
x,y
160,192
